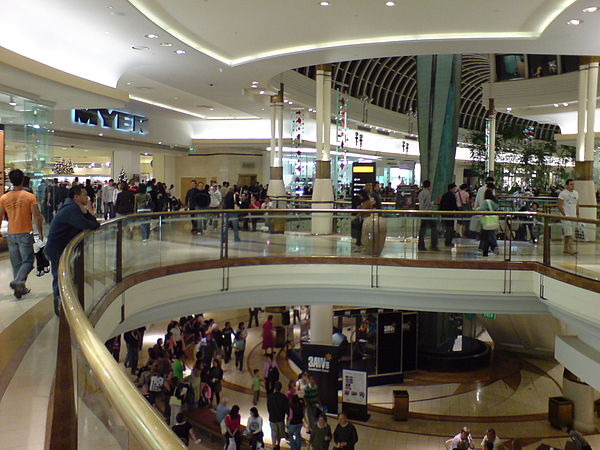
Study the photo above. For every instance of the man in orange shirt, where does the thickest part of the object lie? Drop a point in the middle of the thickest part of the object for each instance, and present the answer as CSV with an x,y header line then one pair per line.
x,y
20,206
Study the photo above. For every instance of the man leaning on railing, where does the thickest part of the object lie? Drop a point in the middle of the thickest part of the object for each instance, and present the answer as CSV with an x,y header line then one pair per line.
x,y
75,215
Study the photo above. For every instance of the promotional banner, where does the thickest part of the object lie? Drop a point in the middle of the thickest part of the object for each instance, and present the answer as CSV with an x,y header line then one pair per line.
x,y
389,342
322,362
354,394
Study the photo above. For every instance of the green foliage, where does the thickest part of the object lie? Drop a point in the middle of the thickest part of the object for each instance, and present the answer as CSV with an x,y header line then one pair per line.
x,y
532,160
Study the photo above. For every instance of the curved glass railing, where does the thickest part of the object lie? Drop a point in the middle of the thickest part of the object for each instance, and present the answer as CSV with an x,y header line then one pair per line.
x,y
95,262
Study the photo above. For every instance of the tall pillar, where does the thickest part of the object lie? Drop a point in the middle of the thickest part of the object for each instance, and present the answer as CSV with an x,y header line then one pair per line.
x,y
276,187
127,160
491,161
321,324
583,397
438,99
584,166
322,186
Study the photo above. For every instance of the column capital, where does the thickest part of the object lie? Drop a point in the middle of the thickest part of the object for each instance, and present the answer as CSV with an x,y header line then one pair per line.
x,y
323,169
275,99
324,68
585,60
584,170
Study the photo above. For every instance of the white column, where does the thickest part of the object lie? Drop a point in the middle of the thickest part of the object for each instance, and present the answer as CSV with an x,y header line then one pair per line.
x,y
583,396
273,131
322,186
320,115
326,149
276,186
321,324
592,92
581,111
128,160
584,183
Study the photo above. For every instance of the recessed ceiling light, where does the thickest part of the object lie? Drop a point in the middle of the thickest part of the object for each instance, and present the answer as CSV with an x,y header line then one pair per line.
x,y
324,3
100,134
509,109
140,47
290,103
152,36
590,9
109,7
211,109
129,83
180,52
565,104
556,105
159,143
574,22
166,44
390,3
261,92
11,101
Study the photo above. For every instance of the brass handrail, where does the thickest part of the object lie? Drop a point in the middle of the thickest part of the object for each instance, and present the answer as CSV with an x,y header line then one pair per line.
x,y
140,418
256,213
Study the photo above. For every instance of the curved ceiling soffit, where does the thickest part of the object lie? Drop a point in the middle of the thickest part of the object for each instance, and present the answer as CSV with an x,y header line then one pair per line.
x,y
390,83
532,29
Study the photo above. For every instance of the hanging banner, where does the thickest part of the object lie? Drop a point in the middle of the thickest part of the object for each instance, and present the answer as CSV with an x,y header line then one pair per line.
x,y
355,394
322,362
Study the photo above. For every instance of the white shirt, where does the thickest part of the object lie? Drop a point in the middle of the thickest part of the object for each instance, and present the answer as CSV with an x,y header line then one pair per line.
x,y
570,200
456,440
176,333
215,199
497,442
480,196
266,205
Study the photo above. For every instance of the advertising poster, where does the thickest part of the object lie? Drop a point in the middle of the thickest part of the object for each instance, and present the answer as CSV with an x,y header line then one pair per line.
x,y
354,394
322,362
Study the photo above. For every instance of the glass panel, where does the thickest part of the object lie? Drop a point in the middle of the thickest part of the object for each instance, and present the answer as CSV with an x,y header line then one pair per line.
x,y
99,425
89,271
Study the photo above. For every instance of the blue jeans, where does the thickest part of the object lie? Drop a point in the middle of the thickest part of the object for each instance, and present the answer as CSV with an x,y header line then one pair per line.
x,y
20,249
295,438
54,267
235,224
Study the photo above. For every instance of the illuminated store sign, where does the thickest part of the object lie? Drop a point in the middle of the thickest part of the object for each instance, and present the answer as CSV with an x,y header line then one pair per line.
x,y
110,118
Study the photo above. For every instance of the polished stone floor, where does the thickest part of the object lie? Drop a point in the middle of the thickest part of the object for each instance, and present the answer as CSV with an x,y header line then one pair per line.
x,y
514,402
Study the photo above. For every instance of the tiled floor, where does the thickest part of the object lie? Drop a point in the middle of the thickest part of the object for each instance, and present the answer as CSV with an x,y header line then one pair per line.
x,y
496,399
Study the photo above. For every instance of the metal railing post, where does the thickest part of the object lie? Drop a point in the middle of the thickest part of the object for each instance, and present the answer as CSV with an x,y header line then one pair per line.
x,y
119,253
547,238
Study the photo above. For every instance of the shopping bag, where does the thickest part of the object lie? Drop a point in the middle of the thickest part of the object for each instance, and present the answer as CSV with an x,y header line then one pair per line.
x,y
490,222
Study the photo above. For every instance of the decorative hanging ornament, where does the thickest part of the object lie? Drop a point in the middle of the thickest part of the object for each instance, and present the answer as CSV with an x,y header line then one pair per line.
x,y
297,131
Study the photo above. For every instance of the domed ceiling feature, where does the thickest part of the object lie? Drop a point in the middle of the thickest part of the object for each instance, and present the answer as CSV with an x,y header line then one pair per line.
x,y
391,83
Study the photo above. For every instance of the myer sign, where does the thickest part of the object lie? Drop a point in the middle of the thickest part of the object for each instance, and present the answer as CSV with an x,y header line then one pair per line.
x,y
110,118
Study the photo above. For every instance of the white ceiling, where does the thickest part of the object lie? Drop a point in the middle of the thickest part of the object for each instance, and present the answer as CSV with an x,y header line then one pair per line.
x,y
230,43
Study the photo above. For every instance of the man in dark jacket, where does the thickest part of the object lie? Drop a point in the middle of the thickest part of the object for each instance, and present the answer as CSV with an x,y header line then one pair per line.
x,y
277,405
448,203
75,215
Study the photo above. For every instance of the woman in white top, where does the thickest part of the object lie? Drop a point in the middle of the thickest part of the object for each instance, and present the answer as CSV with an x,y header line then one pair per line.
x,y
254,429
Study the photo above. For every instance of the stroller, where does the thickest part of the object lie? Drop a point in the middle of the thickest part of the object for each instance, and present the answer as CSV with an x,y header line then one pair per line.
x,y
42,263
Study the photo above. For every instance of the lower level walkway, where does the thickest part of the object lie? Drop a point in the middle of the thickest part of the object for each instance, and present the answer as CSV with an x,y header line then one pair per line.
x,y
512,397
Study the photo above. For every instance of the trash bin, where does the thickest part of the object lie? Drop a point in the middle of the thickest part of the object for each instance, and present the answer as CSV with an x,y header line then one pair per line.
x,y
400,409
560,412
280,337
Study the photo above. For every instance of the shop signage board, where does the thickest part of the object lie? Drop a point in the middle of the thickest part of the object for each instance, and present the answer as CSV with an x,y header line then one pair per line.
x,y
389,342
111,119
322,362
355,394
362,173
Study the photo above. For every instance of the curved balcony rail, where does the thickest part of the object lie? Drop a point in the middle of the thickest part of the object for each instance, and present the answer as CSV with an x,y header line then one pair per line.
x,y
95,262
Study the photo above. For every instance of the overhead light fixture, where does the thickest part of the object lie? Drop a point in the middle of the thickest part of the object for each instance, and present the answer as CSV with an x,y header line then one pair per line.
x,y
100,134
11,101
290,103
556,105
575,22
166,44
211,109
390,3
140,47
590,9
509,109
159,142
261,92
324,3
152,36
565,104
180,52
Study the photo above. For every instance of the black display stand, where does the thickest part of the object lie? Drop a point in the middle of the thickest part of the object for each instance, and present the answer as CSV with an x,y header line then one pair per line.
x,y
355,398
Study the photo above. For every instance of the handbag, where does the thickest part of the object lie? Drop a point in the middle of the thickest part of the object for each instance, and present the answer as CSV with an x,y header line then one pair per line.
x,y
490,222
